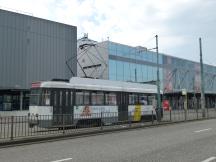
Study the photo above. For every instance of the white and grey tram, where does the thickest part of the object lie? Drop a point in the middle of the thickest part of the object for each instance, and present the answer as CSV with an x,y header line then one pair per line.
x,y
85,100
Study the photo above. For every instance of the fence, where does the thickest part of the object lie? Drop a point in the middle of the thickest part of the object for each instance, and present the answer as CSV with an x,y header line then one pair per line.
x,y
22,127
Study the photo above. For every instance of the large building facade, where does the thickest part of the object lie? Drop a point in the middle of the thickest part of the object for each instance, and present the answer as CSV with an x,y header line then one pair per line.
x,y
114,61
32,49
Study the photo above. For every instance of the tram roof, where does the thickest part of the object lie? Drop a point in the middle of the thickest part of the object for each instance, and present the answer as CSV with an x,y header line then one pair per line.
x,y
101,85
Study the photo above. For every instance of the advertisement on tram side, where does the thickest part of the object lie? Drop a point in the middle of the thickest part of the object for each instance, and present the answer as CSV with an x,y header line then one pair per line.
x,y
142,109
95,111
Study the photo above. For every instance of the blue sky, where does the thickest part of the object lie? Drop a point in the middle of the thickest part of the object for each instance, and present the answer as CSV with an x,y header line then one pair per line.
x,y
178,23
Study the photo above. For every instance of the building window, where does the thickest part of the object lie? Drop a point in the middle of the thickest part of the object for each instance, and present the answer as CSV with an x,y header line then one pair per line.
x,y
112,69
120,70
112,49
126,71
7,102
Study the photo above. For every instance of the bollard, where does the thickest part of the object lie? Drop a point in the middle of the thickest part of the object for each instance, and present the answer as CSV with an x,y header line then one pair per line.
x,y
158,118
152,117
129,119
12,124
185,114
170,115
63,122
101,122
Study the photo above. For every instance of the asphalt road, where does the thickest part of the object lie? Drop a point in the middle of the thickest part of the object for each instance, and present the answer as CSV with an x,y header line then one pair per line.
x,y
193,141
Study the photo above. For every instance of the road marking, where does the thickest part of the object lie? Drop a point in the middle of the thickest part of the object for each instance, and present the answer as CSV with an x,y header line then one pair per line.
x,y
209,159
62,160
202,130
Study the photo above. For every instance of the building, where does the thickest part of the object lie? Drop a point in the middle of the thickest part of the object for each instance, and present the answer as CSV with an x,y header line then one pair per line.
x,y
32,49
115,61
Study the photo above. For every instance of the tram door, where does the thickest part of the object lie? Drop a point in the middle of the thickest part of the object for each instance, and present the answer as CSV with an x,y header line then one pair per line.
x,y
55,96
122,106
62,109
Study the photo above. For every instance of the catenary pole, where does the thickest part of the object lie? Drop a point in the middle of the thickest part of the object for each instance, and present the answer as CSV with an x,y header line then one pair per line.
x,y
158,83
202,81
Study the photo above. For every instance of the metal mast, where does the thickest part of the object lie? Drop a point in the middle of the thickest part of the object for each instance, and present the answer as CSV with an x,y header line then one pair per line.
x,y
158,83
202,81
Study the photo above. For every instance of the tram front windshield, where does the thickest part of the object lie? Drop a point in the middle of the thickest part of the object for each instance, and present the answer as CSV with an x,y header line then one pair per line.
x,y
35,97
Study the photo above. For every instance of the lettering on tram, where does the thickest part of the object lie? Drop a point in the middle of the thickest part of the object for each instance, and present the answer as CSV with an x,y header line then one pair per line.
x,y
81,100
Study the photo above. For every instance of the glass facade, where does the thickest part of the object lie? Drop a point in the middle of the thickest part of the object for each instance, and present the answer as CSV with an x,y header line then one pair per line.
x,y
136,64
133,64
126,71
137,53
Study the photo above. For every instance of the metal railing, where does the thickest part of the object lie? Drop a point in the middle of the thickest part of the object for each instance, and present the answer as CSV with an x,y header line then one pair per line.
x,y
22,127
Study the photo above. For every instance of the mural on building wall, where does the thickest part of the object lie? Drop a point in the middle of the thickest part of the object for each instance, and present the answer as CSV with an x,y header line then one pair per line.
x,y
167,73
178,77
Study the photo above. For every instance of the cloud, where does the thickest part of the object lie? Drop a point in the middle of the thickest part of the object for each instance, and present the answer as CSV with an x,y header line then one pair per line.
x,y
178,23
194,21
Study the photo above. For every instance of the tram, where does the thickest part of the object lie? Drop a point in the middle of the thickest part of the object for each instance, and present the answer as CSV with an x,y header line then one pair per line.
x,y
85,100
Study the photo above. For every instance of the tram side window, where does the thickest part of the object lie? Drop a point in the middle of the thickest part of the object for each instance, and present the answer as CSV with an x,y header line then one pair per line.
x,y
35,97
60,98
82,98
66,98
151,100
110,99
79,98
86,98
133,99
143,100
55,98
45,100
97,98
71,98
